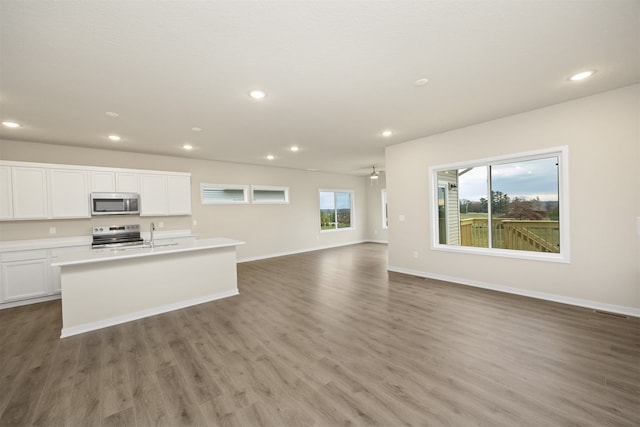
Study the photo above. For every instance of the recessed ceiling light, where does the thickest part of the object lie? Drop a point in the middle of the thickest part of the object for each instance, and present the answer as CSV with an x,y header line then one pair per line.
x,y
387,133
196,129
187,146
421,82
112,114
11,124
270,157
257,94
294,148
114,137
582,75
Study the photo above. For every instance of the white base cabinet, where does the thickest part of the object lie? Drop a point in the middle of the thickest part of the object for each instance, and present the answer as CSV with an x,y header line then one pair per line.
x,y
25,274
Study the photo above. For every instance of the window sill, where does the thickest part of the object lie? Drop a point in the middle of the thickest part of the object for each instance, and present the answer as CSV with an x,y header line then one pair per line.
x,y
505,253
334,230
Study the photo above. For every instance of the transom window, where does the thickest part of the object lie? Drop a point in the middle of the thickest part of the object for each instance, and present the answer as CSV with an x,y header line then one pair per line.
x,y
214,194
510,206
269,195
336,210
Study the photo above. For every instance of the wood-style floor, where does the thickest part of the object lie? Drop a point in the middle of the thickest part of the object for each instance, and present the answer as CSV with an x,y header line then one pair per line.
x,y
328,338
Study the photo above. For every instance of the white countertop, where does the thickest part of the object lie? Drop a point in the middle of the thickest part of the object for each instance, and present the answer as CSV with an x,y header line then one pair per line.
x,y
110,254
62,242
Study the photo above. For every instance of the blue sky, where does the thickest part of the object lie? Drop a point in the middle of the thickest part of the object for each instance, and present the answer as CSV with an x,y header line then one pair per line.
x,y
526,180
327,200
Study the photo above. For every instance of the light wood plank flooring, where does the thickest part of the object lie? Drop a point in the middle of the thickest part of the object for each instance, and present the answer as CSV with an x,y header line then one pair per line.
x,y
328,338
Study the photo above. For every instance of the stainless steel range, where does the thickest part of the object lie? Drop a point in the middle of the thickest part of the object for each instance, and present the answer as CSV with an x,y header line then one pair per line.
x,y
116,235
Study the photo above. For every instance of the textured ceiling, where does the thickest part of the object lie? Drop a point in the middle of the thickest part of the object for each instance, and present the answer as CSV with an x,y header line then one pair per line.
x,y
336,73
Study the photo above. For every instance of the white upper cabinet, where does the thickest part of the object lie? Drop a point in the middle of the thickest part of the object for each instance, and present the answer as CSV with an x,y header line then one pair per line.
x,y
51,191
109,182
179,195
29,187
103,181
6,194
127,182
69,193
165,195
153,195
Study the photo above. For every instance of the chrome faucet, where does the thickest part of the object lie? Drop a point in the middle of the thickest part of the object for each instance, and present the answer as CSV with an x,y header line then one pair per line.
x,y
152,228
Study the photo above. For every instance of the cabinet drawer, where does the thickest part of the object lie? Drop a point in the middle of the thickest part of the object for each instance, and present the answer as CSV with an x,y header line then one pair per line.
x,y
24,255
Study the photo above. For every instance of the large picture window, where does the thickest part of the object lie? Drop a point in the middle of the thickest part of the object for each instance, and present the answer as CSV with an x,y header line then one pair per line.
x,y
510,206
336,209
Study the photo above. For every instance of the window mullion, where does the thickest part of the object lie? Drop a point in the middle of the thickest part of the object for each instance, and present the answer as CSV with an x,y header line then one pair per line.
x,y
489,209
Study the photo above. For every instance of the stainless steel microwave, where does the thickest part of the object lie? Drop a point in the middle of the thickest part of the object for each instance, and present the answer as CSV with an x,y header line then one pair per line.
x,y
115,204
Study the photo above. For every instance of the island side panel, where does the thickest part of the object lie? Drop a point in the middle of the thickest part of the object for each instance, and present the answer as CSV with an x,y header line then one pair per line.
x,y
102,294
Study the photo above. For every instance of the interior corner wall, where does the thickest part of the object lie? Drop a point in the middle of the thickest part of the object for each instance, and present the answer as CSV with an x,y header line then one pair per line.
x,y
268,230
603,140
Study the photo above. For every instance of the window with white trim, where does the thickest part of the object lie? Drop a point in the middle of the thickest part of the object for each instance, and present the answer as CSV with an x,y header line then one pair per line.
x,y
215,194
336,210
269,195
509,206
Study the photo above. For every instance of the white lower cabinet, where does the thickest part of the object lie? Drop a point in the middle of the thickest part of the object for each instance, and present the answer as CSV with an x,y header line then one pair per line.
x,y
25,274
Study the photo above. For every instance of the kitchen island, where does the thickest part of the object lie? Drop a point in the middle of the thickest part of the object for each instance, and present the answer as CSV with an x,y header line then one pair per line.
x,y
105,287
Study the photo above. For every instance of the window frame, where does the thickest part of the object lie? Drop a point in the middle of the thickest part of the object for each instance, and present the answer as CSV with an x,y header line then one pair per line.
x,y
285,190
562,153
244,188
352,208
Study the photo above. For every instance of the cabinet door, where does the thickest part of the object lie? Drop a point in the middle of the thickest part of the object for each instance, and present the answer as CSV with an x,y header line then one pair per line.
x,y
126,182
25,278
179,195
29,188
104,182
6,204
69,193
153,195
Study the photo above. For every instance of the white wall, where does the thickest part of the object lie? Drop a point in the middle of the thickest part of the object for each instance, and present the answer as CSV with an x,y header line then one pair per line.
x,y
602,134
268,229
375,231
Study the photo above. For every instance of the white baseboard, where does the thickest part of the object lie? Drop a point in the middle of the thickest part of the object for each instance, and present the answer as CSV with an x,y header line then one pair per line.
x,y
629,311
29,301
92,326
300,251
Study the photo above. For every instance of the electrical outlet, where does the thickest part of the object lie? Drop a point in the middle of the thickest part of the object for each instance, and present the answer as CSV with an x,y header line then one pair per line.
x,y
161,224
401,218
415,254
195,222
